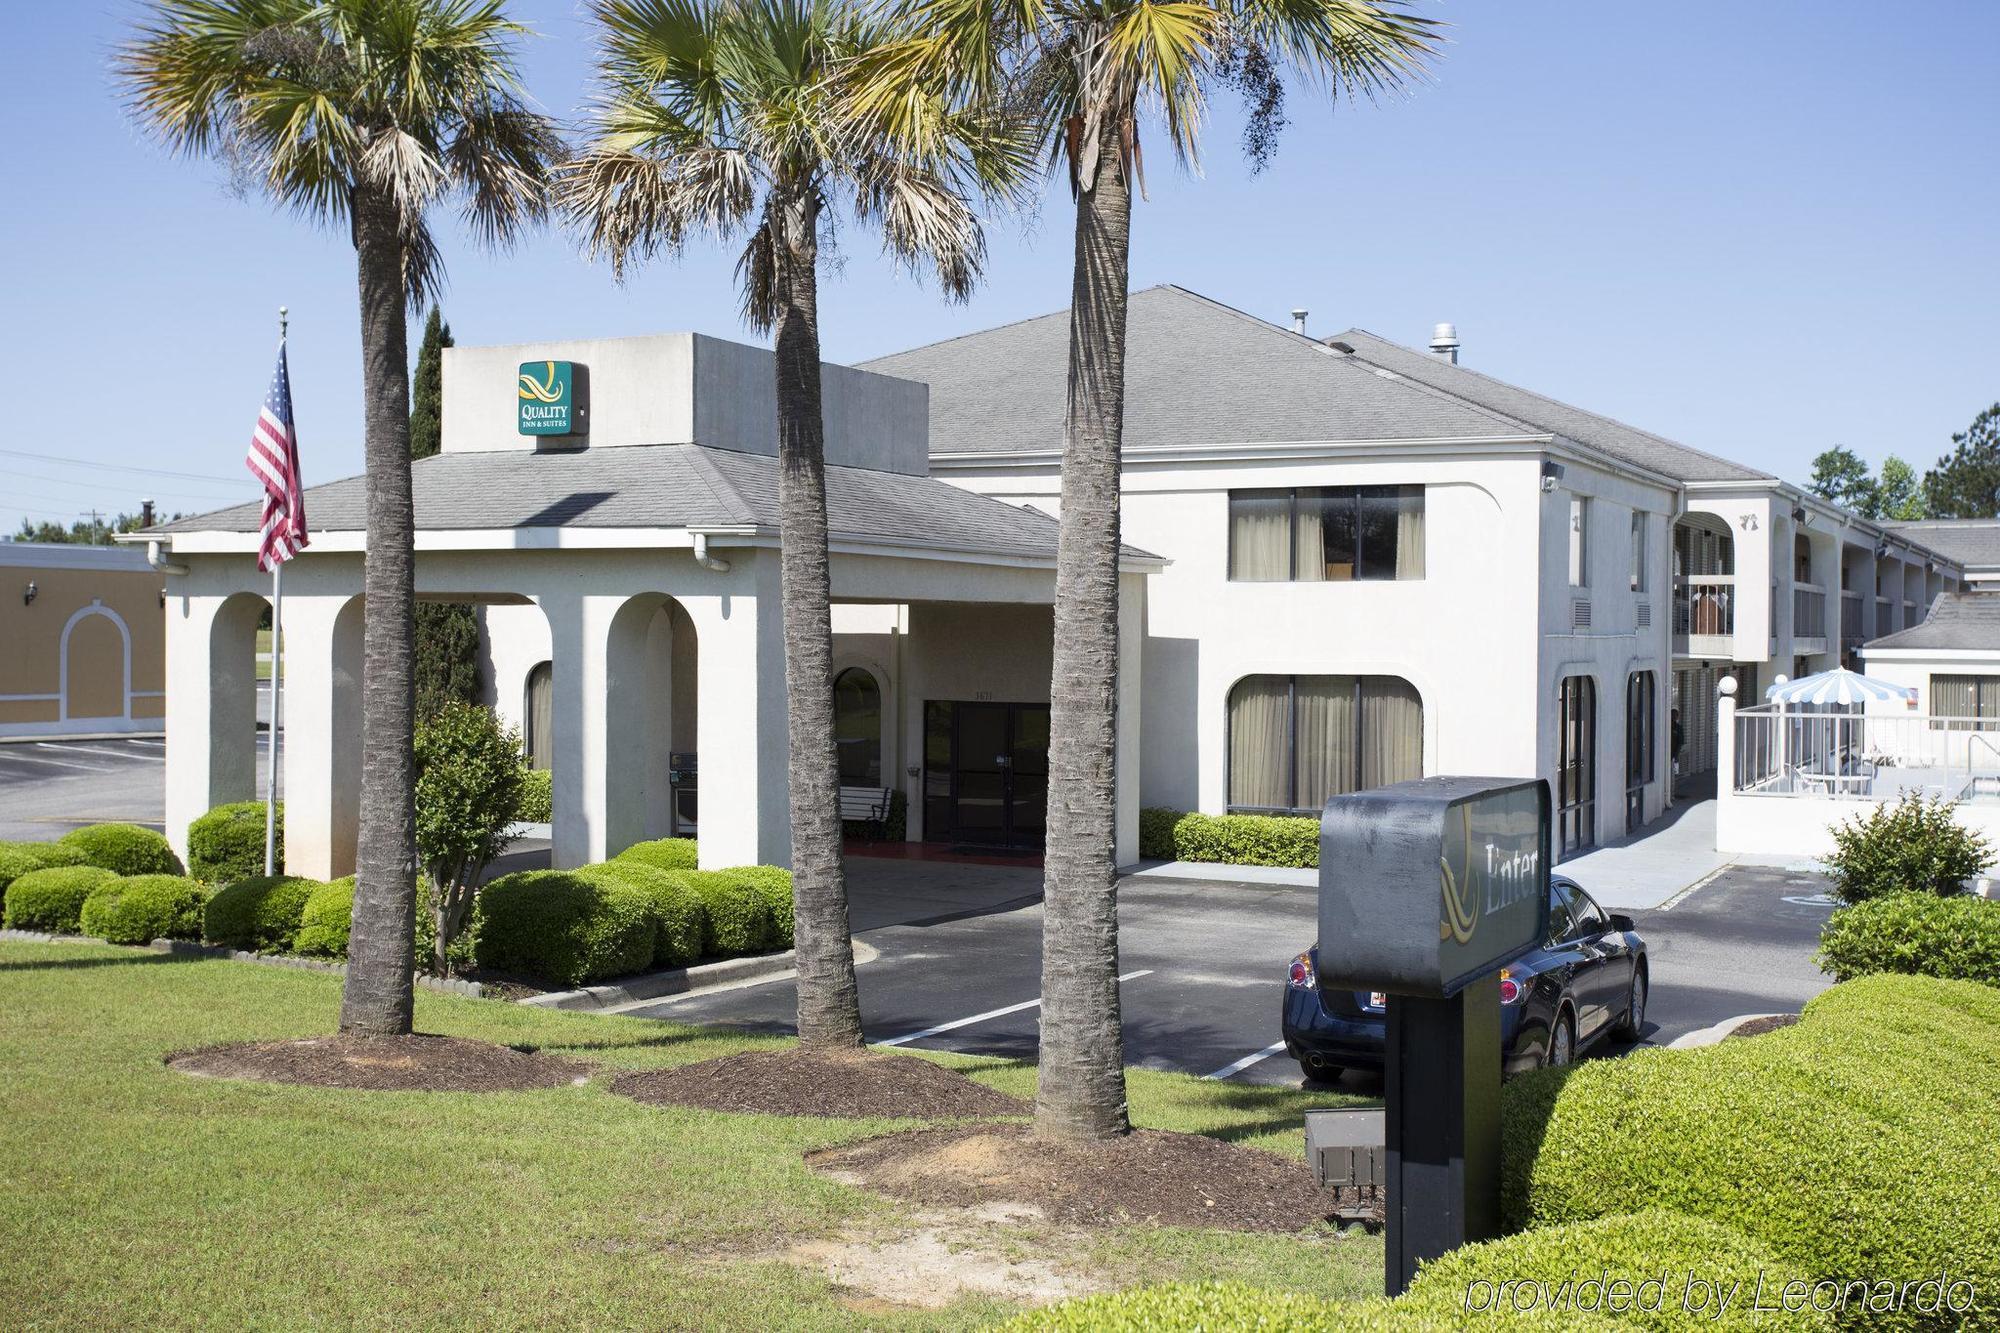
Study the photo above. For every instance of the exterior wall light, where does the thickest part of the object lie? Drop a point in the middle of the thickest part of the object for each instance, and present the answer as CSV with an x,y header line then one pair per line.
x,y
28,597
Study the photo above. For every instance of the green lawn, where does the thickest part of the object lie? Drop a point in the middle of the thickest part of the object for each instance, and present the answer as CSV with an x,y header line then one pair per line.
x,y
131,1193
263,654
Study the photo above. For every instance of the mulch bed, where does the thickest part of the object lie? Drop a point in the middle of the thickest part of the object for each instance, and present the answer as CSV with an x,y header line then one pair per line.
x,y
1147,1176
418,1063
1757,1027
847,1084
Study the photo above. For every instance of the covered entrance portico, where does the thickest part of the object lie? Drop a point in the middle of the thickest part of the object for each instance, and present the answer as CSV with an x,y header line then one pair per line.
x,y
606,612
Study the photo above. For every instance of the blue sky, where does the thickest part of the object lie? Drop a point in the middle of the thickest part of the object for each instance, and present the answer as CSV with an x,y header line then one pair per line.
x,y
1760,229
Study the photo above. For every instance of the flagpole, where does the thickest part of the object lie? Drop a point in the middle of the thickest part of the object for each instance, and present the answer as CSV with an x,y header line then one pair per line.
x,y
277,686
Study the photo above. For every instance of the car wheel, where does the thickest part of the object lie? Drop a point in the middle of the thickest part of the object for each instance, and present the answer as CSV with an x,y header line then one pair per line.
x,y
1633,1021
1562,1043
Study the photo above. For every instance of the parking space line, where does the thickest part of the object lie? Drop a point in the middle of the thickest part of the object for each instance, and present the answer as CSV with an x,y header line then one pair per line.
x,y
109,754
981,1018
1236,1067
52,763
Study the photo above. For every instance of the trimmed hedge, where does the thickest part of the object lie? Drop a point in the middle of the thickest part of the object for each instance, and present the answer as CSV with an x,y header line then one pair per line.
x,y
665,853
262,914
124,849
144,908
537,803
775,884
738,915
682,917
1237,840
1237,1307
227,843
1671,1267
1957,939
1857,1143
52,899
18,858
565,928
325,920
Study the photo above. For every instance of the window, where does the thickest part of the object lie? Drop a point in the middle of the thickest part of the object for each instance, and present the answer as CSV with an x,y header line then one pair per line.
x,y
1967,697
1579,542
1641,708
1322,534
1586,918
539,710
1576,765
1638,552
1294,741
857,728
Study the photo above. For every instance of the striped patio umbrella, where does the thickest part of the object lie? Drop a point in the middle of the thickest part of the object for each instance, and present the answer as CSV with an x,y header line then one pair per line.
x,y
1838,686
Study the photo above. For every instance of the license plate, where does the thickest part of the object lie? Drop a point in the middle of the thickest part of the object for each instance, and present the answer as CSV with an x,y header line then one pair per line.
x,y
1378,999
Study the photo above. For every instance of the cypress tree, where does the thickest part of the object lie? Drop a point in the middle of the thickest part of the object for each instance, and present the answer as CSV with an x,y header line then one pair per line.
x,y
447,659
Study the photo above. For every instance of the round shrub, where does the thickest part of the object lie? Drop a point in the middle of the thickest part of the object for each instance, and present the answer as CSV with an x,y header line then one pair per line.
x,y
325,919
124,849
1672,1266
261,914
1913,846
682,918
52,899
1956,938
666,853
18,858
775,884
227,843
738,914
144,908
1857,1143
565,928
537,802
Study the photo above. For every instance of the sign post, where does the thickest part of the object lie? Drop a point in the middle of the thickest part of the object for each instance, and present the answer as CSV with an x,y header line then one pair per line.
x,y
1428,889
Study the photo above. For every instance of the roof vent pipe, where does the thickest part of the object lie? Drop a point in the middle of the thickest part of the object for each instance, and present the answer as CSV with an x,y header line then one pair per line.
x,y
1444,342
1299,321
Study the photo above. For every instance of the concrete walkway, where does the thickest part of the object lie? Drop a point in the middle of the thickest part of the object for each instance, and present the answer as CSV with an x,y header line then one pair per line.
x,y
1648,868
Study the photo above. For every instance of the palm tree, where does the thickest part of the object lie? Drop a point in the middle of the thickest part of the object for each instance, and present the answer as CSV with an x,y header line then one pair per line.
x,y
1094,70
724,116
366,114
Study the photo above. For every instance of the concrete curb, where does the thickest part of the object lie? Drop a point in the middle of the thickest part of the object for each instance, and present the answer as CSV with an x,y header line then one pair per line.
x,y
189,949
673,981
1709,1036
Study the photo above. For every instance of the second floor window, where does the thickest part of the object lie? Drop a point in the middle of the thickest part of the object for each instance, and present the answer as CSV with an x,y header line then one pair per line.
x,y
1579,542
1638,551
1320,534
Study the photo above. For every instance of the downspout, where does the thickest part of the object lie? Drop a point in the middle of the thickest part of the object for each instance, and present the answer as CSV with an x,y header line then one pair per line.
x,y
704,559
157,558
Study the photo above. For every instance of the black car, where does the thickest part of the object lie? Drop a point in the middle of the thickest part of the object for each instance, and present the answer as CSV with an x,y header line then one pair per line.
x,y
1588,981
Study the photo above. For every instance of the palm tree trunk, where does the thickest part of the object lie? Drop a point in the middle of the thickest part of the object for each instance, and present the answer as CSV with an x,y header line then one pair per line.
x,y
829,1001
378,998
1081,1093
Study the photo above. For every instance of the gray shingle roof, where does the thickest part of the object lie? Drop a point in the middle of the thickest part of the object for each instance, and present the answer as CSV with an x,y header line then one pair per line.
x,y
1196,372
1972,542
1956,620
1627,443
665,486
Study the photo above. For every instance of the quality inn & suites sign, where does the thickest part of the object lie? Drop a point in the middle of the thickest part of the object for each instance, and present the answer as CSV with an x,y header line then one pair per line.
x,y
547,398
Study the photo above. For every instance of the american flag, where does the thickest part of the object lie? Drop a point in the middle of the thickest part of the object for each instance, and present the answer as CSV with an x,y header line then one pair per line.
x,y
274,458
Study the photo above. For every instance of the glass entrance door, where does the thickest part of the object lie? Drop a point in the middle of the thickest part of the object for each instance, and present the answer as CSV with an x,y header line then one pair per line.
x,y
986,772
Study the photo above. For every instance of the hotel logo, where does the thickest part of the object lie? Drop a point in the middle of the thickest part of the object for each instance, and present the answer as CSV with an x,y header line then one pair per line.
x,y
547,398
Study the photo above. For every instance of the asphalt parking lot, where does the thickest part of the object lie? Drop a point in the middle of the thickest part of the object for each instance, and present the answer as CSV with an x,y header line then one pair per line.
x,y
1202,965
48,788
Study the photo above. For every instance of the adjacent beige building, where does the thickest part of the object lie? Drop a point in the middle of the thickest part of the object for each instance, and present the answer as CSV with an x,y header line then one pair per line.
x,y
82,641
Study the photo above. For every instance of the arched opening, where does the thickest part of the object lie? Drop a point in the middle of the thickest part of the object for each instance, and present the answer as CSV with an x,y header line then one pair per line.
x,y
239,703
857,727
96,665
1295,741
649,785
538,711
1704,578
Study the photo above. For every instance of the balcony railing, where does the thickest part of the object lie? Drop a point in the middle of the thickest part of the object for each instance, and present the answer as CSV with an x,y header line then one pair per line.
x,y
1705,614
1850,616
1808,611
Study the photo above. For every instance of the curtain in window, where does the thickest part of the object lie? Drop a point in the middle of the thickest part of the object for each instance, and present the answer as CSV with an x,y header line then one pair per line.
x,y
1316,562
1260,742
541,716
1392,731
1326,738
1260,536
1410,533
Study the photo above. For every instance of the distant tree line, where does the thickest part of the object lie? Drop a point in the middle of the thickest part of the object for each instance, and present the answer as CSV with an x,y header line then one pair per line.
x,y
1964,484
92,531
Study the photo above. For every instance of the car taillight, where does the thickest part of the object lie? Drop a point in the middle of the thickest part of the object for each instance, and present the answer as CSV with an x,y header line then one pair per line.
x,y
1301,973
1511,990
